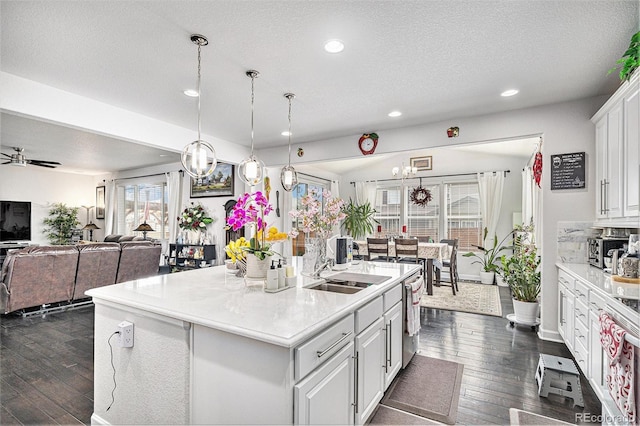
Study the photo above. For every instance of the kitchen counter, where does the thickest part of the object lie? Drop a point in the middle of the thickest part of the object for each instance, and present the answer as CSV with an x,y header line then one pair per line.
x,y
212,297
599,281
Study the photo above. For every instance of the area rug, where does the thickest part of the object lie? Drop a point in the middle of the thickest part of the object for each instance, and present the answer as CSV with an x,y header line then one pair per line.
x,y
474,298
520,417
390,416
428,387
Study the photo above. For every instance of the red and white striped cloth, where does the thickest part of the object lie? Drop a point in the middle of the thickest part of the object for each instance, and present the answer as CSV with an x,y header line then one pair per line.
x,y
413,306
620,354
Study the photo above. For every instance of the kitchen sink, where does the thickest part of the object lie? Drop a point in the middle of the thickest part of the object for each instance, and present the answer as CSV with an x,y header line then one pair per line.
x,y
335,288
366,279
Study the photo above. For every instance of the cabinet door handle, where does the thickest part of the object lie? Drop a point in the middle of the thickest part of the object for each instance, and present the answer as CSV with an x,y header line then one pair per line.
x,y
389,345
355,387
601,197
334,344
606,196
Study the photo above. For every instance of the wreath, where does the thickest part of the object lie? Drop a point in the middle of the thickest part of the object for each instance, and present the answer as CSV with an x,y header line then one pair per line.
x,y
420,196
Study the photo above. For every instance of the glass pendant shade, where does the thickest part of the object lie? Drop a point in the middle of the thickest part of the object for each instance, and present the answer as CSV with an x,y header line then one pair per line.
x,y
288,175
288,178
199,159
251,170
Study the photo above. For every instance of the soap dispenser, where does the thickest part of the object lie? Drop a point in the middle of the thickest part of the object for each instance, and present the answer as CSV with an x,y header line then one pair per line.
x,y
281,281
272,277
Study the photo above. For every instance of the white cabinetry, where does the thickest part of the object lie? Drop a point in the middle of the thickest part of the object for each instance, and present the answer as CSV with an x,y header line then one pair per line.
x,y
631,137
370,369
325,397
618,156
566,308
393,343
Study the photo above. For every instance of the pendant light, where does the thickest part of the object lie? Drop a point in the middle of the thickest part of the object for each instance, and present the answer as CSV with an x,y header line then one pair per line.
x,y
199,157
288,175
251,169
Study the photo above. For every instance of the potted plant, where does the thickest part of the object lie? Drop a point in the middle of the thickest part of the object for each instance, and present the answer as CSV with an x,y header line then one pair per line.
x,y
630,60
60,223
488,259
521,273
359,220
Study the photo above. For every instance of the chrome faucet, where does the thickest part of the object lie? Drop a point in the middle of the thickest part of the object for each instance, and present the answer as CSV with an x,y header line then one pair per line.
x,y
327,263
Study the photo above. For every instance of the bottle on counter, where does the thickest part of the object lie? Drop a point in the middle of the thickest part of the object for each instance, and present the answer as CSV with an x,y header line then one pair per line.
x,y
272,277
281,282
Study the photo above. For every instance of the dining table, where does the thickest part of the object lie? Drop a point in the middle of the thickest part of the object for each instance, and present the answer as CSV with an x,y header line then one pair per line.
x,y
432,253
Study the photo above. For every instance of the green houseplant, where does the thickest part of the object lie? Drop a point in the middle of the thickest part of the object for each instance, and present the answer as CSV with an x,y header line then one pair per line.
x,y
60,223
521,273
359,220
488,258
630,60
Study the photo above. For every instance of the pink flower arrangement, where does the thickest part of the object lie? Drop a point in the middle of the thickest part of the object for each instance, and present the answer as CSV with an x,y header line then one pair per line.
x,y
251,209
316,217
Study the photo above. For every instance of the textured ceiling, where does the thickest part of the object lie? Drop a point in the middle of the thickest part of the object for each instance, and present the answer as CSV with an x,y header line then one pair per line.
x,y
432,60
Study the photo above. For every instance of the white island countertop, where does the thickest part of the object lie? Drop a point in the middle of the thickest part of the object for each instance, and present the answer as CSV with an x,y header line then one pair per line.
x,y
214,298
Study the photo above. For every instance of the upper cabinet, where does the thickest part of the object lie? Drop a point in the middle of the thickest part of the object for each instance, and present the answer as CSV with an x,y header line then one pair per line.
x,y
618,156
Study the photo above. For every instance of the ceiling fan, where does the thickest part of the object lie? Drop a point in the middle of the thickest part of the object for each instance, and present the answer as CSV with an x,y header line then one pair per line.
x,y
18,159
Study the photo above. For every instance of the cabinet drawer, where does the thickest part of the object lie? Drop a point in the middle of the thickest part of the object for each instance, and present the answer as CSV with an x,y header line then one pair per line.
x,y
320,348
581,335
596,301
370,312
566,280
582,312
580,353
393,296
581,291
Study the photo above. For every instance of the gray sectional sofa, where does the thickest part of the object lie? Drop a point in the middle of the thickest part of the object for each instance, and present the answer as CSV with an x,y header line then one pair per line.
x,y
41,275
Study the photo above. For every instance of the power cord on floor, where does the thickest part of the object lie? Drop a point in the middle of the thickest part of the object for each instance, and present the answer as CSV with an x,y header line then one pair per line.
x,y
114,369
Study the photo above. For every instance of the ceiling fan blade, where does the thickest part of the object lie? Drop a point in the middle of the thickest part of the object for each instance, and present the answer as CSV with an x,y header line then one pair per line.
x,y
6,155
42,161
42,165
8,162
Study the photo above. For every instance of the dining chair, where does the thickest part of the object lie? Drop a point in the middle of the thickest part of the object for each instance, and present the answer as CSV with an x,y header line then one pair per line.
x,y
356,252
379,246
423,239
449,265
407,252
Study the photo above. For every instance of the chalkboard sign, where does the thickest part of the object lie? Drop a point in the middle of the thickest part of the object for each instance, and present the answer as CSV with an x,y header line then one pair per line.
x,y
568,171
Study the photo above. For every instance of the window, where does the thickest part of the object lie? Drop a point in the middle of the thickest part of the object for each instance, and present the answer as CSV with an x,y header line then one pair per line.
x,y
458,218
424,221
464,220
142,202
301,190
388,207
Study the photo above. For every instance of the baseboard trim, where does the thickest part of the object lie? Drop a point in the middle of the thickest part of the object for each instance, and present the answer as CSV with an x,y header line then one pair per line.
x,y
97,420
550,335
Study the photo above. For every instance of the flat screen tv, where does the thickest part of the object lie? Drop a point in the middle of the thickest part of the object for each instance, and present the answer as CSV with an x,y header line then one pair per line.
x,y
15,221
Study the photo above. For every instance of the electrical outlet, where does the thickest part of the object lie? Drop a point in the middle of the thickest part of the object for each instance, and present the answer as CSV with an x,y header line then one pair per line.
x,y
125,338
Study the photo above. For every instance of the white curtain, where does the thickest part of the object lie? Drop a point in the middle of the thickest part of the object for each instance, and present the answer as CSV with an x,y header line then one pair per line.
x,y
530,200
491,186
366,191
174,192
110,211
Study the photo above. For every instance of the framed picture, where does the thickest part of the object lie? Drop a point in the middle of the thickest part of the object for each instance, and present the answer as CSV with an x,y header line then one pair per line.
x,y
100,202
422,163
219,184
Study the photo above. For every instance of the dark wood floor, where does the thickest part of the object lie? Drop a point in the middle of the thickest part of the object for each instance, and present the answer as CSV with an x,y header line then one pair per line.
x,y
499,365
46,367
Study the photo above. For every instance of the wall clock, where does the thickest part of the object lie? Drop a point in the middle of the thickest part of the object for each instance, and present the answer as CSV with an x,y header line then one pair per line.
x,y
368,143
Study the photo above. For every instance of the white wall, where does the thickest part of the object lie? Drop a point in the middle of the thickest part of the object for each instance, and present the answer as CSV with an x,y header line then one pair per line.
x,y
565,127
44,187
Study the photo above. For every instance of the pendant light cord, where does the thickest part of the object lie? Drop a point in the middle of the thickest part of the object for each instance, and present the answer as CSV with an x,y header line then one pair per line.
x,y
290,130
253,79
199,93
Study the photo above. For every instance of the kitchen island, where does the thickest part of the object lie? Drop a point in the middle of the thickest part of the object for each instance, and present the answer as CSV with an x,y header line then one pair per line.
x,y
209,349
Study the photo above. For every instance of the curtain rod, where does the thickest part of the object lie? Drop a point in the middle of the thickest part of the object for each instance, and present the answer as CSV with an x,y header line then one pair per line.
x,y
315,177
144,176
429,177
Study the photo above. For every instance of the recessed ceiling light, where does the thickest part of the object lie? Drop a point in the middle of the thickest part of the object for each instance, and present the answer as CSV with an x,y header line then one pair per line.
x,y
286,133
509,92
334,46
191,93
394,114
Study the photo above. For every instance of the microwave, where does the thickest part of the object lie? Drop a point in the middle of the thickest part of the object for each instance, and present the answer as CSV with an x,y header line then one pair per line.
x,y
599,249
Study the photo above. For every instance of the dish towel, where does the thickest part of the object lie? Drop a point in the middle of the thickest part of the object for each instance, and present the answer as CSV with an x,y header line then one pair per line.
x,y
413,306
620,354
